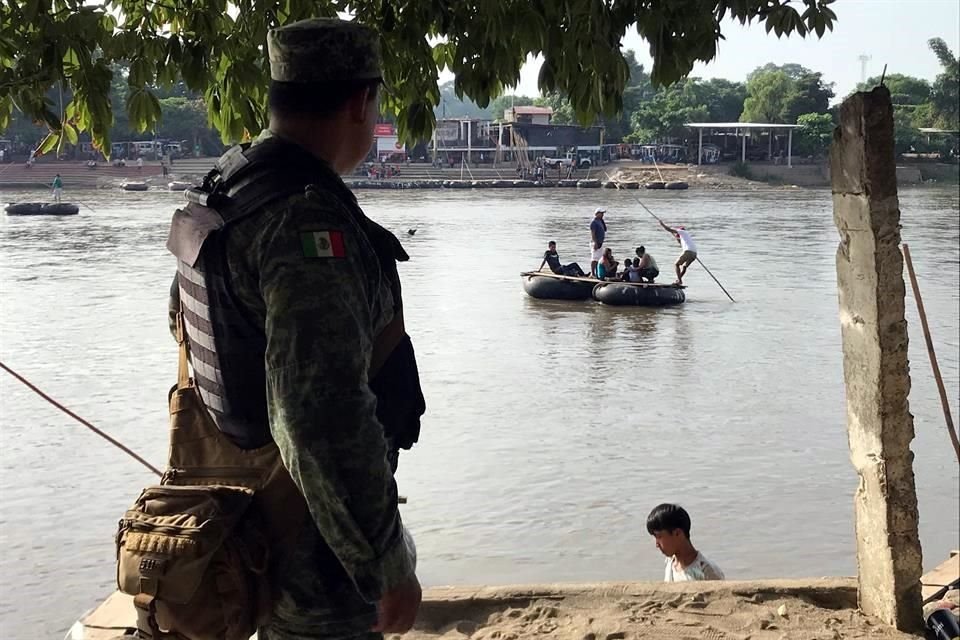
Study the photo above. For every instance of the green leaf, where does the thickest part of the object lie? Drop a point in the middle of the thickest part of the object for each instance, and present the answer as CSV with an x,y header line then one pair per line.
x,y
220,52
71,133
48,143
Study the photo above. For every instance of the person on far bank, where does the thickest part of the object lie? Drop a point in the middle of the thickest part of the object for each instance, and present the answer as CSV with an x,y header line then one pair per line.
x,y
688,250
552,259
648,269
57,188
140,163
669,524
598,232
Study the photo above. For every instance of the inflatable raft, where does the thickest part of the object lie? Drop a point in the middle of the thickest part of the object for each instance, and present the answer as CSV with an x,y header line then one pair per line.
x,y
638,294
549,286
42,209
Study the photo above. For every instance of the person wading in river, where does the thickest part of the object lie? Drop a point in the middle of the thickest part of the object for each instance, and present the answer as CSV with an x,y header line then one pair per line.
x,y
598,232
688,250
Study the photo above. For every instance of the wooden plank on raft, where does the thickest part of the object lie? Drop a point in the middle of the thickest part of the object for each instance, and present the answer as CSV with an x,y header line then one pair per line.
x,y
114,614
945,573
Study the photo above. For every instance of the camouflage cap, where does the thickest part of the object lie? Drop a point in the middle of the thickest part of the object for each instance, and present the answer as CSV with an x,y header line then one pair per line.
x,y
323,50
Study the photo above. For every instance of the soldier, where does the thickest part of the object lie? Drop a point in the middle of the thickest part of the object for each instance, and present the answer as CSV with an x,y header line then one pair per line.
x,y
294,320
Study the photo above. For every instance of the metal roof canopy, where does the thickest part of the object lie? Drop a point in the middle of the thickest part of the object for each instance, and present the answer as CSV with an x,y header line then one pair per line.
x,y
739,125
745,126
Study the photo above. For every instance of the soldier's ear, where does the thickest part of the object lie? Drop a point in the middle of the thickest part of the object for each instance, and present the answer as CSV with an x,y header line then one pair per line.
x,y
363,104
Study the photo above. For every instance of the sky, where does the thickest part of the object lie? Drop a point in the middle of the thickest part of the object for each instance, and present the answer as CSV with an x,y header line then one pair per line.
x,y
891,32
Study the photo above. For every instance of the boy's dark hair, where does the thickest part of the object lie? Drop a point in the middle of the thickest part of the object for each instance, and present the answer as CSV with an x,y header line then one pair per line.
x,y
636,262
641,250
551,244
318,100
667,517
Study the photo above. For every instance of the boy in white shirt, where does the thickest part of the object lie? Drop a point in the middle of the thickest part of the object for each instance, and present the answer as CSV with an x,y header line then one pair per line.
x,y
669,524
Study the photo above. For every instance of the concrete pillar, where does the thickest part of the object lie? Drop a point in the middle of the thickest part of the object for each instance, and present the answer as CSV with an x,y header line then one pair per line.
x,y
700,147
875,366
743,147
469,141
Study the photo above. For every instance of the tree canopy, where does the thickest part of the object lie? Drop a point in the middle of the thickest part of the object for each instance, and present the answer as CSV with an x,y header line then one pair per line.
x,y
781,94
945,94
904,90
216,48
815,133
768,94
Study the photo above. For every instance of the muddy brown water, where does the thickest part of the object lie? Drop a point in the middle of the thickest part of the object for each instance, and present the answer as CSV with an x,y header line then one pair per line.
x,y
553,427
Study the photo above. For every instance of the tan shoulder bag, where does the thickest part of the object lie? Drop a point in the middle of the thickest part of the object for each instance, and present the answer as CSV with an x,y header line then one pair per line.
x,y
196,551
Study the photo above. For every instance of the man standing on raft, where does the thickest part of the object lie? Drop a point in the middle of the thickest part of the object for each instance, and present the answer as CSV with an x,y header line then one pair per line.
x,y
598,232
688,248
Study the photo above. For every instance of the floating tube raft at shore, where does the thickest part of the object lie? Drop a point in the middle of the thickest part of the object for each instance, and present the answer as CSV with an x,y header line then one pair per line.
x,y
41,209
547,285
638,294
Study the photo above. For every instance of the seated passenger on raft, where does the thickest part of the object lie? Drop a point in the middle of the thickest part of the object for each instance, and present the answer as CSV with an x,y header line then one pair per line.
x,y
631,270
552,259
647,264
607,267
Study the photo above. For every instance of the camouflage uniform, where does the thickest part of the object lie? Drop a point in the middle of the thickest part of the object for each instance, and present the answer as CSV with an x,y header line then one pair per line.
x,y
321,315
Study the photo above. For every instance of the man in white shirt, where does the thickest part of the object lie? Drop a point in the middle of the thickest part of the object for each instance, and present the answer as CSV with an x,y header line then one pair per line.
x,y
669,524
688,248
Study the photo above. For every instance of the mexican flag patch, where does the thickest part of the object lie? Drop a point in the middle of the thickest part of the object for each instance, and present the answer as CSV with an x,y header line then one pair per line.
x,y
322,244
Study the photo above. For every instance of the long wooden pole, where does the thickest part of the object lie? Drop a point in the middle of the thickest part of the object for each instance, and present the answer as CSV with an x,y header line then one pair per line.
x,y
710,273
100,433
930,352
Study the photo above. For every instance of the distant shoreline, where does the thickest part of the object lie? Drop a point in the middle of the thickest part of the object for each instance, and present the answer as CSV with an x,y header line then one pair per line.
x,y
631,175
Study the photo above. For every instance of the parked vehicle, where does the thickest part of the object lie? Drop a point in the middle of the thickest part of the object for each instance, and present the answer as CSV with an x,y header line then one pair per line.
x,y
583,162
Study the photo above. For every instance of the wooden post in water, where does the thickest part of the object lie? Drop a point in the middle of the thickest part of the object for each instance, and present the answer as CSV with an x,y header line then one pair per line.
x,y
875,366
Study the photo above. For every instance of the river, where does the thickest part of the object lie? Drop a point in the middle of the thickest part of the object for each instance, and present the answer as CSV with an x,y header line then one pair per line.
x,y
552,428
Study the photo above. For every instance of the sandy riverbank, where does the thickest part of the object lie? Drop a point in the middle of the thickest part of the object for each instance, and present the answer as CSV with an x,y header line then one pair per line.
x,y
757,610
822,609
718,178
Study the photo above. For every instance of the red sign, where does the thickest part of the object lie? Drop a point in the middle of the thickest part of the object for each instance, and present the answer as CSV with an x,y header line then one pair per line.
x,y
383,130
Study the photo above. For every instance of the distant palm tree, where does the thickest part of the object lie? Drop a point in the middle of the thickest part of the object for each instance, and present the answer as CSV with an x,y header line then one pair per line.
x,y
945,95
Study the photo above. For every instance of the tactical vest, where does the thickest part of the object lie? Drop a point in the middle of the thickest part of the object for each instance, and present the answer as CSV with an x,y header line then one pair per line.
x,y
226,345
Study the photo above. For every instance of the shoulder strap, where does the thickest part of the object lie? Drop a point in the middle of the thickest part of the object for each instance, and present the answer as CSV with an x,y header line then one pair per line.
x,y
183,368
248,177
